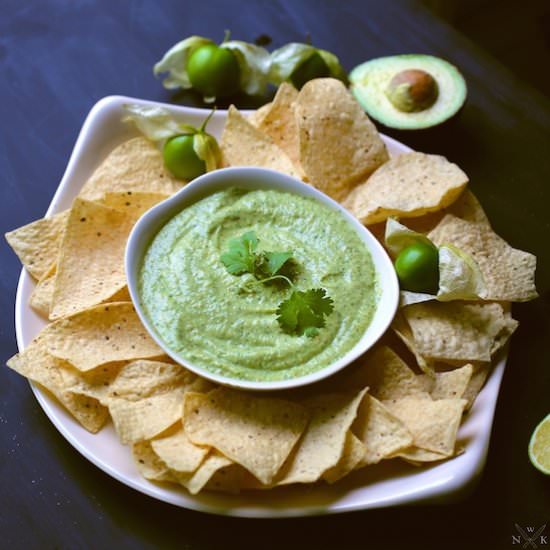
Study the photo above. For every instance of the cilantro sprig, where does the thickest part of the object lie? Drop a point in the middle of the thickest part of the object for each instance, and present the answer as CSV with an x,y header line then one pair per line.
x,y
242,257
303,312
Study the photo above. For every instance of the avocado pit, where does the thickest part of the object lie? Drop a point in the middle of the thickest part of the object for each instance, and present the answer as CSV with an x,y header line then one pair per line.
x,y
412,90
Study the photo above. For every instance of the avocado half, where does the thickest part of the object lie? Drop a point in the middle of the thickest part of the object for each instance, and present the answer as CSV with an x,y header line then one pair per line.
x,y
409,92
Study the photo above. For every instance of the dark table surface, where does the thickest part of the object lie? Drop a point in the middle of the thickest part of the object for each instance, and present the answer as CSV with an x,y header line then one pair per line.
x,y
58,58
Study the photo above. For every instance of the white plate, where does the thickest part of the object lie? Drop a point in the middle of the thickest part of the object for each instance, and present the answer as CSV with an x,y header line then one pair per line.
x,y
387,484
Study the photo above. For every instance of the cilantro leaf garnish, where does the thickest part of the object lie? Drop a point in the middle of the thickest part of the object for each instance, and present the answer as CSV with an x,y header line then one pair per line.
x,y
272,263
241,257
305,312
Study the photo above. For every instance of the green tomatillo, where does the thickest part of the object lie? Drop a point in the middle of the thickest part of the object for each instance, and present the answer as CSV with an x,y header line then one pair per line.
x,y
300,63
181,159
187,151
215,70
417,267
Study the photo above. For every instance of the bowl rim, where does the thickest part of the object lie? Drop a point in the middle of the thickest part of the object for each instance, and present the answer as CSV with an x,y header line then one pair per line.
x,y
250,177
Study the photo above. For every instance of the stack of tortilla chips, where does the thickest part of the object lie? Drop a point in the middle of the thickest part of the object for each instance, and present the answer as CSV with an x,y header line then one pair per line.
x,y
403,402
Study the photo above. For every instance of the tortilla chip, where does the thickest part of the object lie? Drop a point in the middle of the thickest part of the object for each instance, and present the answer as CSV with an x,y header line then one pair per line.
x,y
382,433
417,456
144,419
244,145
99,335
93,383
407,186
39,366
41,297
433,424
352,456
279,123
468,208
457,331
403,330
135,165
133,203
177,452
256,117
146,398
256,432
143,378
476,383
196,481
150,466
233,478
339,145
90,266
322,444
509,274
451,384
386,375
123,295
37,244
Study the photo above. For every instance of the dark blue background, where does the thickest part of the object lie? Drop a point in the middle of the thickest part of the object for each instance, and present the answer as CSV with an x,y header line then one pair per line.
x,y
57,58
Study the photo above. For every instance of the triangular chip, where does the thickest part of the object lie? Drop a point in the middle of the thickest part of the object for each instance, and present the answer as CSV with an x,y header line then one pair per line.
x,y
403,330
255,117
197,480
339,145
457,331
244,145
140,420
232,479
279,123
433,424
352,456
386,375
39,366
90,267
322,444
146,398
41,297
102,334
509,274
409,185
417,456
450,384
255,431
148,463
142,378
93,383
132,202
468,208
37,243
479,376
382,433
135,165
178,453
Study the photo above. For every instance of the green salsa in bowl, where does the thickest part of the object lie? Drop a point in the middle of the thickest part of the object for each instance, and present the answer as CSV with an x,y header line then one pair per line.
x,y
256,280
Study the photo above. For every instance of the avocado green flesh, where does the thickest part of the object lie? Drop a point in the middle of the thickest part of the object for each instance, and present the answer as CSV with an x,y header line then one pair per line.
x,y
370,81
208,317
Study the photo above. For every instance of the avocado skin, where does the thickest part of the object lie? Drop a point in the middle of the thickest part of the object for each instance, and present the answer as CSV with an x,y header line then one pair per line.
x,y
369,82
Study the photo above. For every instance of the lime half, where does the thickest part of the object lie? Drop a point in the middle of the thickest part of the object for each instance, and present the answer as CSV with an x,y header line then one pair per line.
x,y
539,446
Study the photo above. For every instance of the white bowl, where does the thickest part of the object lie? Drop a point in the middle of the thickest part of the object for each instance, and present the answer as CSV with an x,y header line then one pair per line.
x,y
260,178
